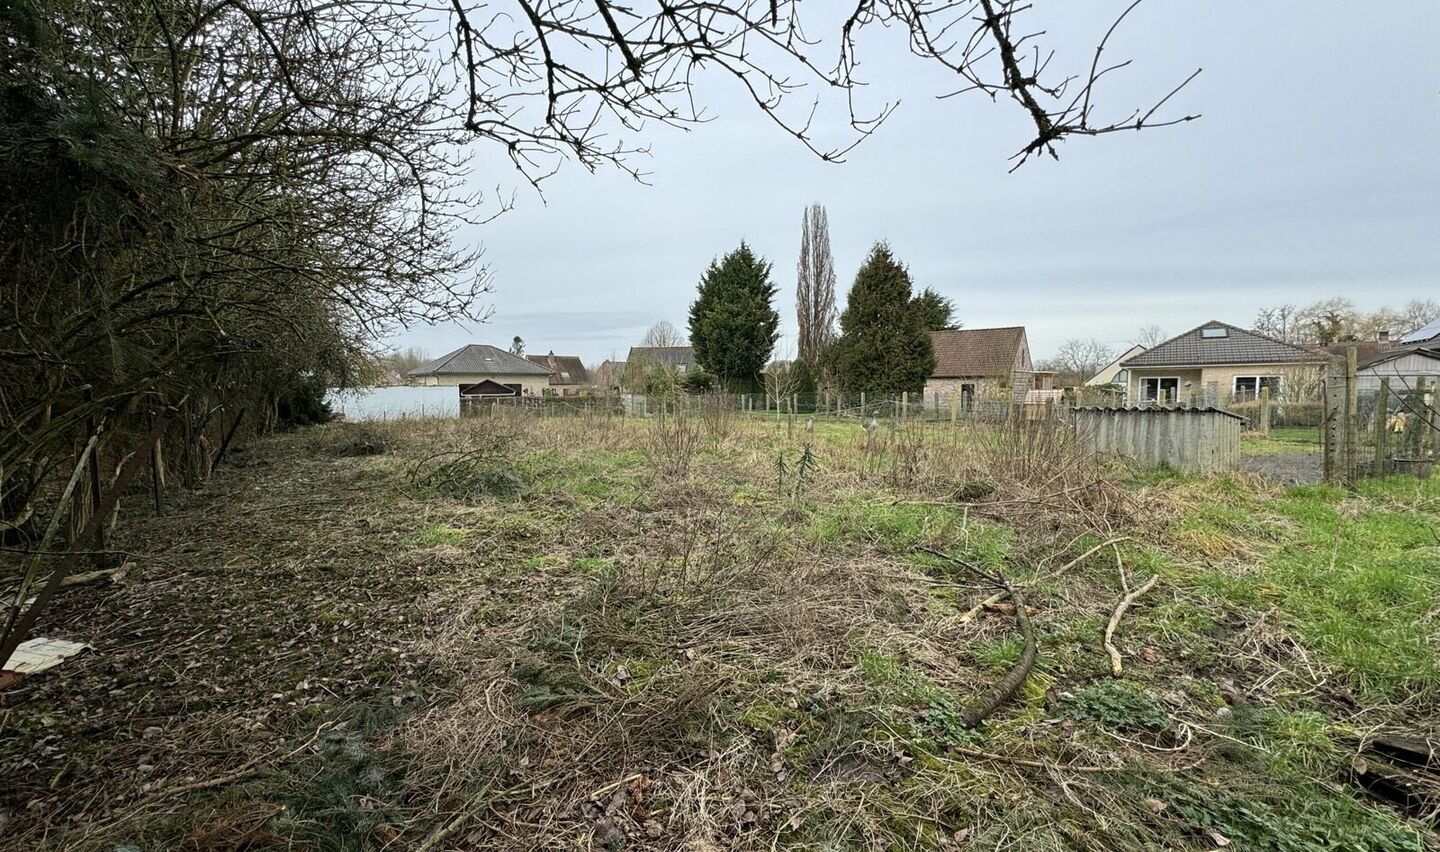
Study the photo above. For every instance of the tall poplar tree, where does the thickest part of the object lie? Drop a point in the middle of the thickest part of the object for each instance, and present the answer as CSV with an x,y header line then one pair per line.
x,y
733,322
815,291
884,347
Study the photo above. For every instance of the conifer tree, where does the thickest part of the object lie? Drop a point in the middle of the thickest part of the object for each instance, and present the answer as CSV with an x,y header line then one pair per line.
x,y
733,322
937,313
884,347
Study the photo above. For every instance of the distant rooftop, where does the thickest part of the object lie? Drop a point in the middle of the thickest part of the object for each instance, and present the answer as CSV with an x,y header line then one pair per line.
x,y
1221,343
1424,334
664,354
476,358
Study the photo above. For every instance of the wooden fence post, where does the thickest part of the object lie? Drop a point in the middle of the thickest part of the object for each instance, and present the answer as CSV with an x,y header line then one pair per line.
x,y
1263,421
1382,407
1432,414
904,404
1331,434
862,403
1423,416
1352,425
954,408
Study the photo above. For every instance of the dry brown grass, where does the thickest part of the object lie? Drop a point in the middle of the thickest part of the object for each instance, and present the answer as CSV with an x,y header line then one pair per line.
x,y
647,646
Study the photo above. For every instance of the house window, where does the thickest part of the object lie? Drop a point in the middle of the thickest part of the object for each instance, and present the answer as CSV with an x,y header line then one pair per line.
x,y
1214,331
1151,388
1248,387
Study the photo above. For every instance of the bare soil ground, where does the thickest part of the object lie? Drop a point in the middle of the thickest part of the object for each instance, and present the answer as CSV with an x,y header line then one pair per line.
x,y
597,633
1286,468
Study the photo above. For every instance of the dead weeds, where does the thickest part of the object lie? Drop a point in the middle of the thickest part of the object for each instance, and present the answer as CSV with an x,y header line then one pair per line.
x,y
644,647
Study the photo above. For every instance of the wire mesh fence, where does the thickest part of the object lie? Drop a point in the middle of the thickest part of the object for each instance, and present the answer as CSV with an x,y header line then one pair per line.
x,y
920,407
1354,429
1377,428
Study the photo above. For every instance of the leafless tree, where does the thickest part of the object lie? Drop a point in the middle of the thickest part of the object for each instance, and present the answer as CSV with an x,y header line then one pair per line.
x,y
1149,335
1416,314
571,78
1326,321
782,380
1077,360
815,290
1382,321
1277,322
404,360
663,333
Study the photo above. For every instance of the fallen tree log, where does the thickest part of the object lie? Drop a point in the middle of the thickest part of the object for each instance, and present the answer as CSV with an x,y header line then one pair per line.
x,y
1005,689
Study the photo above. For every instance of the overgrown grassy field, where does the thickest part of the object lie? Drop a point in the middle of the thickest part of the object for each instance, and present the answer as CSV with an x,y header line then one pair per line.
x,y
1281,440
720,632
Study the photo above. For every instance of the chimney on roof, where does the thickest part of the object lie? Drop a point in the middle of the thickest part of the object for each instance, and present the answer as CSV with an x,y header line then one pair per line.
x,y
1383,335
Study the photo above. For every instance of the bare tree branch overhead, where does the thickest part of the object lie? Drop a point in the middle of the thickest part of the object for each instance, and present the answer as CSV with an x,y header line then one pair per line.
x,y
551,79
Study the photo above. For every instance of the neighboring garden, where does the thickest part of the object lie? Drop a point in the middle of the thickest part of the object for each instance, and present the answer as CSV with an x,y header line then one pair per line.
x,y
698,633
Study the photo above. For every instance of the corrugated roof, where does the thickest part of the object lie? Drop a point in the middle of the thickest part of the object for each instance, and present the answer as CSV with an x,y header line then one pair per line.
x,y
1158,409
1430,352
1236,346
568,369
977,351
479,359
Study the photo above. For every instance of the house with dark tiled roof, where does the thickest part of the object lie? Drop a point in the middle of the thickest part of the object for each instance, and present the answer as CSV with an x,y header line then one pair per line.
x,y
978,362
1216,362
484,371
568,375
682,358
645,363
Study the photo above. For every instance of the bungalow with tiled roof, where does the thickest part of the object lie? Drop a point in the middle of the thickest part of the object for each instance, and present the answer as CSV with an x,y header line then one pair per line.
x,y
1216,362
484,371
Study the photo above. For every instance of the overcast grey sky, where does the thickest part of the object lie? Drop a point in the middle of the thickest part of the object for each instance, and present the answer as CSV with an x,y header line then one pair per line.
x,y
1312,173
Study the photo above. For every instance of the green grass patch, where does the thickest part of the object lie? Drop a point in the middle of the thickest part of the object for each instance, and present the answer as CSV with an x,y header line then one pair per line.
x,y
1281,440
436,535
1355,575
